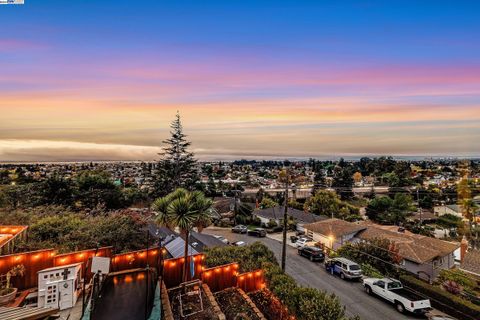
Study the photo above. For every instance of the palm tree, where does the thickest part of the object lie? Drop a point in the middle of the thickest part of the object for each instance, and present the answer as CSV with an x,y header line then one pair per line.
x,y
185,210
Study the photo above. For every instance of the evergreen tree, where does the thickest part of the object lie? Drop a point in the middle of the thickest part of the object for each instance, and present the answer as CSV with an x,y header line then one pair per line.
x,y
343,181
319,181
178,167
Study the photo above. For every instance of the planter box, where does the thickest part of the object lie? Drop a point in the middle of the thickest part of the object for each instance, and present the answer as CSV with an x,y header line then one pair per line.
x,y
6,299
234,303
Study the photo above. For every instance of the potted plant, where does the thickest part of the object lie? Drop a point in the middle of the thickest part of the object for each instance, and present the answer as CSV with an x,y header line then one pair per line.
x,y
7,293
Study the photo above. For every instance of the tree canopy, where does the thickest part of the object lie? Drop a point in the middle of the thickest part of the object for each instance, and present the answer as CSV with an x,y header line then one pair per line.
x,y
386,210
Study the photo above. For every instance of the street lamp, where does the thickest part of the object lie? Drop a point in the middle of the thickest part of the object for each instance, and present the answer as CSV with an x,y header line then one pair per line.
x,y
331,238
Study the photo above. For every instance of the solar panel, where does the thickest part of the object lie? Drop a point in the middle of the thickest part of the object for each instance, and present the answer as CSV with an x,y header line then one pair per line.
x,y
176,248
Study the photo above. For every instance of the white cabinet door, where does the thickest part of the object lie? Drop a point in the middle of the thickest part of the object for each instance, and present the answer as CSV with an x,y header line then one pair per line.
x,y
66,295
51,296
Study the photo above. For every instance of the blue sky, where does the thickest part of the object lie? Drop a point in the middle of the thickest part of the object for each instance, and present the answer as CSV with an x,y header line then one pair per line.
x,y
328,77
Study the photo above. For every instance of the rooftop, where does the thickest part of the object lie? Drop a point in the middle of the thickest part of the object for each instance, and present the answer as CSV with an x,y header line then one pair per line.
x,y
413,247
471,262
276,213
334,227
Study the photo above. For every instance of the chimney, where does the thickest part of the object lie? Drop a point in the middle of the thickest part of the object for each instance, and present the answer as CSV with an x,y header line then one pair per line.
x,y
463,248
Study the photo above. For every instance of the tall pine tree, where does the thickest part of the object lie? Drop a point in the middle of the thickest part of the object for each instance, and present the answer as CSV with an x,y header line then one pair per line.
x,y
319,179
178,167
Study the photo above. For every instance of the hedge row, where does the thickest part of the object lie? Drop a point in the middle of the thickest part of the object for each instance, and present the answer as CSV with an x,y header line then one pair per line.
x,y
443,300
304,303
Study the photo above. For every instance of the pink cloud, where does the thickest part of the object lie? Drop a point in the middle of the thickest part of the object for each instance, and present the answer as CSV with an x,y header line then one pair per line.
x,y
13,45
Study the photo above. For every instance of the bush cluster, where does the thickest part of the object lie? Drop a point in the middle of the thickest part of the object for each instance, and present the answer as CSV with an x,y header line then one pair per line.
x,y
443,300
67,230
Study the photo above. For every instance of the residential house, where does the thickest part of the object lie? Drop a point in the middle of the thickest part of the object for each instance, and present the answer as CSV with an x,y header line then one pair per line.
x,y
202,241
276,214
333,233
453,209
469,259
421,255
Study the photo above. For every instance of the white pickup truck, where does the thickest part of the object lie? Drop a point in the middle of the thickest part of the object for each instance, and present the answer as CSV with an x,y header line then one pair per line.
x,y
393,291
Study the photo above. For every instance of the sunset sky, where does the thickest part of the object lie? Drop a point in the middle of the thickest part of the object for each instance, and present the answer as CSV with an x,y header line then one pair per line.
x,y
101,80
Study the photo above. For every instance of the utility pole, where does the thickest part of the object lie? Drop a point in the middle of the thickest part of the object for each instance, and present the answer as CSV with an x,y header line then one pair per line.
x,y
235,208
419,208
285,223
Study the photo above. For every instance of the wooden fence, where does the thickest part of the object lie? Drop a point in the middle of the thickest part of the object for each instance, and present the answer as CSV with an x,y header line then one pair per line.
x,y
82,257
217,278
135,259
251,281
172,269
221,277
33,262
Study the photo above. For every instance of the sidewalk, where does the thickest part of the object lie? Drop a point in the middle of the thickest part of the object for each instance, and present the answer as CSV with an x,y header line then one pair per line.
x,y
279,237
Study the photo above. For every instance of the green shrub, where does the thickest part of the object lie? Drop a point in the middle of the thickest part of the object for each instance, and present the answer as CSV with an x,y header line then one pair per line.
x,y
272,224
312,305
442,300
460,277
370,271
249,257
256,221
379,253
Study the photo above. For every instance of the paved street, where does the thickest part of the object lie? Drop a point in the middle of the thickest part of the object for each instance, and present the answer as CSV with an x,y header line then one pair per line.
x,y
310,274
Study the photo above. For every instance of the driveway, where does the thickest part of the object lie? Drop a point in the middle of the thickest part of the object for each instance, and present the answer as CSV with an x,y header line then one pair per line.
x,y
310,274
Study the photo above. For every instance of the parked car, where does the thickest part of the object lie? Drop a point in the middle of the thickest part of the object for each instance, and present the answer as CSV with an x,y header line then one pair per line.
x,y
223,239
345,268
302,242
313,253
239,244
393,291
240,229
257,232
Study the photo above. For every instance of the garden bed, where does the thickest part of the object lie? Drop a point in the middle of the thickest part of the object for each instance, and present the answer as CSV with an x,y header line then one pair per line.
x,y
191,305
237,306
269,305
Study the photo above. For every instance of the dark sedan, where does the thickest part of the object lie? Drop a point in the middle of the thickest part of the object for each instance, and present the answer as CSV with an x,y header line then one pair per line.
x,y
257,232
313,253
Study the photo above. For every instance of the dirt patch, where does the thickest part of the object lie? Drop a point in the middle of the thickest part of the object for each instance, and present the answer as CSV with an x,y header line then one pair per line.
x,y
191,305
234,305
